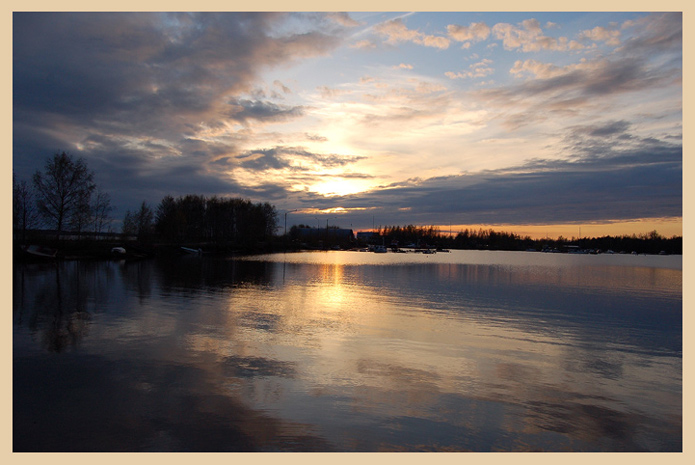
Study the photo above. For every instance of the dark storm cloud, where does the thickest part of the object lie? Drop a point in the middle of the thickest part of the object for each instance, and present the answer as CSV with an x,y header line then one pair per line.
x,y
604,182
243,110
612,143
603,130
132,176
129,92
143,71
258,160
292,158
266,192
148,98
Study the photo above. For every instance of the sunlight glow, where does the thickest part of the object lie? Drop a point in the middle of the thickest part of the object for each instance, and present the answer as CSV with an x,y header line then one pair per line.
x,y
666,227
422,118
340,187
334,210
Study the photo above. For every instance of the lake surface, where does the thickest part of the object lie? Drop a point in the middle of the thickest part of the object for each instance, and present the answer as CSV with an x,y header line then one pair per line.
x,y
350,351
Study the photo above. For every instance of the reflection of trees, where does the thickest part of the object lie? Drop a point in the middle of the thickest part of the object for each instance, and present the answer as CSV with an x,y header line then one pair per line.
x,y
196,274
137,276
57,303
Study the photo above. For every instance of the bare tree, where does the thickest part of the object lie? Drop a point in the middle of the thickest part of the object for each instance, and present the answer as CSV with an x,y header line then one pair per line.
x,y
24,213
101,207
140,223
81,217
63,190
145,217
130,227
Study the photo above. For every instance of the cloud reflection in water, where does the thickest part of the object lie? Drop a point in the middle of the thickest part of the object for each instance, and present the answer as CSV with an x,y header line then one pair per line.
x,y
284,355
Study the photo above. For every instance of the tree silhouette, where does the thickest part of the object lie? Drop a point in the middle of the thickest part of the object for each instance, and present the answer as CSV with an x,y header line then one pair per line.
x,y
63,190
24,213
217,219
101,207
139,223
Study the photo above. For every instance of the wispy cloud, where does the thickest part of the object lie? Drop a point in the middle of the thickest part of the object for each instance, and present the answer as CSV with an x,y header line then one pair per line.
x,y
476,70
396,31
551,88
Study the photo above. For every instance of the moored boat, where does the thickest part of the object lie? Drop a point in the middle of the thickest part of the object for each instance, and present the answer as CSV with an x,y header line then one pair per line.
x,y
40,251
192,251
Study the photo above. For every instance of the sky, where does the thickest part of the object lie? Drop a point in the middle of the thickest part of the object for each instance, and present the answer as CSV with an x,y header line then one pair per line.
x,y
540,123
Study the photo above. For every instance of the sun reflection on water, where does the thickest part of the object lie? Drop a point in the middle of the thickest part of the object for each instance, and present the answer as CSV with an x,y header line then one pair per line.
x,y
417,356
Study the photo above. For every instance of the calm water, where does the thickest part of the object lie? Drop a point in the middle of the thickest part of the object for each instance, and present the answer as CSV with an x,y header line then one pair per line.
x,y
350,351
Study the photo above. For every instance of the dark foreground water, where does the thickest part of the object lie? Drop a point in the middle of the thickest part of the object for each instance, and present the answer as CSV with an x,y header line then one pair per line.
x,y
350,351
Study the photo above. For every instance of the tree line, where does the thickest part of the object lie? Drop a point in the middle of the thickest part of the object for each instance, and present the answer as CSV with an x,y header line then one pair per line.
x,y
432,236
216,219
489,239
63,197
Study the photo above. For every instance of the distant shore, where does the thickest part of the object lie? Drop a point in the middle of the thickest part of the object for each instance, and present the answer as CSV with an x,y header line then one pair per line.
x,y
41,251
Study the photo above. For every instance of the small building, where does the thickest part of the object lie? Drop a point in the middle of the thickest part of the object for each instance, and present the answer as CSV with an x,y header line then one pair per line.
x,y
325,237
366,236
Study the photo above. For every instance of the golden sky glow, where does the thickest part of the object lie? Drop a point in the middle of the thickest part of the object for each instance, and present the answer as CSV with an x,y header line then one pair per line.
x,y
499,118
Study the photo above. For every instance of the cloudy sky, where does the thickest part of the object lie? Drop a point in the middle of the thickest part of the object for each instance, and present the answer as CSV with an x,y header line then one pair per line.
x,y
538,123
